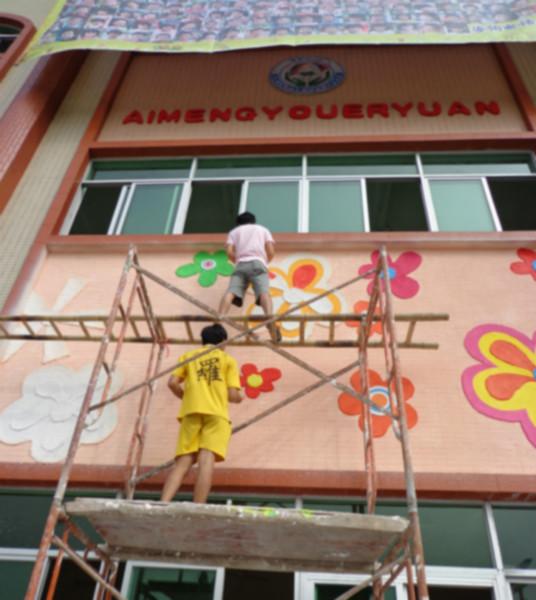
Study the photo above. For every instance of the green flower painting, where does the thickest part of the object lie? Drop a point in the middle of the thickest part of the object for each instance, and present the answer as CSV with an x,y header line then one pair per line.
x,y
208,265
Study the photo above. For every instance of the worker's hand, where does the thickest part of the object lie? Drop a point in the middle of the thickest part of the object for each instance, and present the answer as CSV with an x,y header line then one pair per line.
x,y
174,384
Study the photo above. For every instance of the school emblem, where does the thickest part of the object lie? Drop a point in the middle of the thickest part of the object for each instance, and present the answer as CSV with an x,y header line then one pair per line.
x,y
307,75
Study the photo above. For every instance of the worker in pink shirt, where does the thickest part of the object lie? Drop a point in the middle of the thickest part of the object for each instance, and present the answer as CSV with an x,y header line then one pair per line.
x,y
250,247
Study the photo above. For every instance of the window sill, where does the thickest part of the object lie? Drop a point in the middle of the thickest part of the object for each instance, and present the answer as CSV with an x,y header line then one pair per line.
x,y
292,241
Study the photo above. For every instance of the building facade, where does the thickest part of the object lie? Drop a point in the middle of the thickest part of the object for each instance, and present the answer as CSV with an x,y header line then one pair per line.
x,y
428,150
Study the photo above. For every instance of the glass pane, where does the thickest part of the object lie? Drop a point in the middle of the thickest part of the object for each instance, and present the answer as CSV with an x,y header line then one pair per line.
x,y
213,207
153,209
22,519
96,211
523,591
249,167
395,206
335,206
452,535
72,582
169,584
258,585
478,164
15,576
5,42
334,506
375,164
324,591
275,205
515,201
461,206
142,169
516,527
459,593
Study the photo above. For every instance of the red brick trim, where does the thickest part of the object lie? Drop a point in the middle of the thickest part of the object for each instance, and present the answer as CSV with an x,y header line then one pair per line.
x,y
455,486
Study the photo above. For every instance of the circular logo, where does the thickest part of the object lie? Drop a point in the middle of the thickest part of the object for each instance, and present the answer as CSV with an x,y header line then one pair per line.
x,y
307,75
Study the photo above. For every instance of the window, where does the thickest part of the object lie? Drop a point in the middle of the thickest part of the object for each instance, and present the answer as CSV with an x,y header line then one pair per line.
x,y
472,550
308,194
15,34
8,34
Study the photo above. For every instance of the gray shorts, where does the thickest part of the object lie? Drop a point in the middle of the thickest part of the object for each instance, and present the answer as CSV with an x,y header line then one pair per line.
x,y
252,272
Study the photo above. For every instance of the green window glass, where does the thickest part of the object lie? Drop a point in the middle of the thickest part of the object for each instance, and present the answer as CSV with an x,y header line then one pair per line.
x,y
478,164
459,593
152,209
375,164
258,585
213,207
334,506
515,201
141,169
461,206
515,528
22,519
167,584
452,535
15,576
329,591
275,205
96,210
395,205
335,206
523,591
249,167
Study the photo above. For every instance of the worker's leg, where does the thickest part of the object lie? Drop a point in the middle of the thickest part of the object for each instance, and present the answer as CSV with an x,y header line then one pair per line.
x,y
175,478
235,292
204,476
265,301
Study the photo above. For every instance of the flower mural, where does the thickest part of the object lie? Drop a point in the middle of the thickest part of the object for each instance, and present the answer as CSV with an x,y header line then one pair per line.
x,y
47,412
298,279
208,265
502,385
402,286
362,307
256,382
379,394
527,265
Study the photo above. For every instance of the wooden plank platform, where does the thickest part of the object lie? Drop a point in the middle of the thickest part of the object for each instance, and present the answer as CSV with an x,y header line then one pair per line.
x,y
242,537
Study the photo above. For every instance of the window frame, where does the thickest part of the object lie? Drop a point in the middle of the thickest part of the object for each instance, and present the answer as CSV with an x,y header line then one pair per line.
x,y
16,48
130,565
304,181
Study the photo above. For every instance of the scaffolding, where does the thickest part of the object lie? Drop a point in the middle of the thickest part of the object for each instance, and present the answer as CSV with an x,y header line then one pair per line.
x,y
381,547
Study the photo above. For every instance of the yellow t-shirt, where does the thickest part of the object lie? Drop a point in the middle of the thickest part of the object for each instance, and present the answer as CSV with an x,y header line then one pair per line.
x,y
206,380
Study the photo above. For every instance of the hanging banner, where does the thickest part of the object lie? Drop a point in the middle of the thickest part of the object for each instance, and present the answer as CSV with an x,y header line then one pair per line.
x,y
219,25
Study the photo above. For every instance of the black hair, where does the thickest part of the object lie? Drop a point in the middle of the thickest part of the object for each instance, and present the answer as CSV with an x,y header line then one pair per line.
x,y
245,218
213,334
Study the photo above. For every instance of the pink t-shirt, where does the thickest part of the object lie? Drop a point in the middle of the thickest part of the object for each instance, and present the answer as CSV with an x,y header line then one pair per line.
x,y
248,241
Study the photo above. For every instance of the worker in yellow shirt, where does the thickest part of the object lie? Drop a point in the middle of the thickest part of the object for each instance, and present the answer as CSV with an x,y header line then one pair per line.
x,y
210,382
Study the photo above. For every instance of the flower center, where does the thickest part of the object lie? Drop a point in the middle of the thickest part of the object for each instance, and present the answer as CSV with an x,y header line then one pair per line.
x,y
380,397
254,380
533,265
208,265
391,272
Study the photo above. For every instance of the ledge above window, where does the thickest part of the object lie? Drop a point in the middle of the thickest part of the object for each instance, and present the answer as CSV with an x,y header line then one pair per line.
x,y
104,244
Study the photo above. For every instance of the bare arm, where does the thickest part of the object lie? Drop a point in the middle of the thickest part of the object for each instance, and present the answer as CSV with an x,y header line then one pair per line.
x,y
174,384
231,254
234,395
270,250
